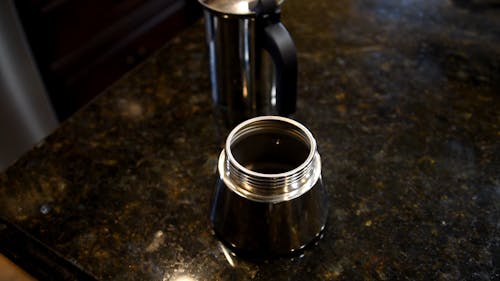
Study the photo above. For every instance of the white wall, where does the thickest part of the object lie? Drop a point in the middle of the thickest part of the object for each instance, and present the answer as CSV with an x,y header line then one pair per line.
x,y
26,115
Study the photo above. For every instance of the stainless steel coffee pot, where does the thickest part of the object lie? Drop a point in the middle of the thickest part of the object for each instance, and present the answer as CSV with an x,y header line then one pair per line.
x,y
253,60
270,199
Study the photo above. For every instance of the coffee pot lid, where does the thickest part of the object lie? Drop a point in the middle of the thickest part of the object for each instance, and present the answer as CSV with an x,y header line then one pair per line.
x,y
236,7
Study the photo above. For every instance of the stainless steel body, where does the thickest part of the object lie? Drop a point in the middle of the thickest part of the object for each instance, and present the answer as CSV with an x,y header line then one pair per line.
x,y
244,69
233,69
270,199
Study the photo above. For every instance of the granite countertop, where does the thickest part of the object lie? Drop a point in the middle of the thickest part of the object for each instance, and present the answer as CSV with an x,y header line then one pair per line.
x,y
402,97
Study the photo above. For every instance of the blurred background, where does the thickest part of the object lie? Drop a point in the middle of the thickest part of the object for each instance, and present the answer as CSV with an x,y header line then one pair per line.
x,y
56,55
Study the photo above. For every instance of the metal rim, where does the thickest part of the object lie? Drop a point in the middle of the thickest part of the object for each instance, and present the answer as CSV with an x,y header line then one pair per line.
x,y
239,130
222,7
272,187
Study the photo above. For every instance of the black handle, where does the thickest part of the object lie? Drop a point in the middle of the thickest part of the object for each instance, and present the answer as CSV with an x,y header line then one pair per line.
x,y
278,42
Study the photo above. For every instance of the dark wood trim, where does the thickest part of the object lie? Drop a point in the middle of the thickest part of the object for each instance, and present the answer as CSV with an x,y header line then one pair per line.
x,y
75,73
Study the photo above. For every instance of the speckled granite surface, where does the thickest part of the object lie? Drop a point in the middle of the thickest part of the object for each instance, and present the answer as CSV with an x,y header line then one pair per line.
x,y
403,98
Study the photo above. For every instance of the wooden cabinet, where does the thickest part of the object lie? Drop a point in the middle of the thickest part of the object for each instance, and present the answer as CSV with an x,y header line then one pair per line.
x,y
81,46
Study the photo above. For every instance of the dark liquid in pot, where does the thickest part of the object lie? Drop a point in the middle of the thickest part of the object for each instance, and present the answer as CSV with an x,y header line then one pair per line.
x,y
270,153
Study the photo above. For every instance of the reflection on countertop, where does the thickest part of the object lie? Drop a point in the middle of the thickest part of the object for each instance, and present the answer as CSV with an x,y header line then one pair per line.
x,y
402,97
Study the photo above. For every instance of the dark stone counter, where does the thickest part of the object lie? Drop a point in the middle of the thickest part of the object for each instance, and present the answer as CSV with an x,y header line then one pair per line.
x,y
403,98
